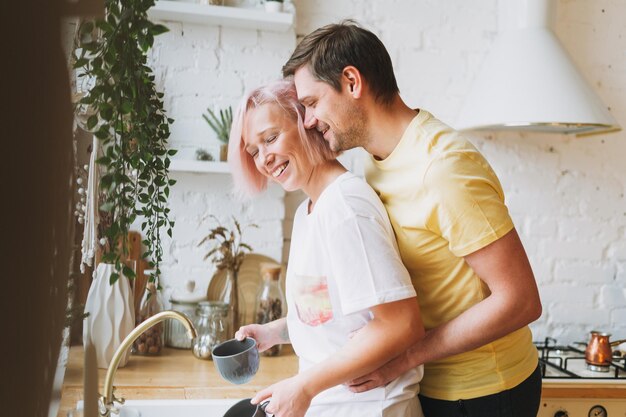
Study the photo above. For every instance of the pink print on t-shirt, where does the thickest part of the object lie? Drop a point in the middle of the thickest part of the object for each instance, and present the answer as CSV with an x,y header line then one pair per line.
x,y
312,300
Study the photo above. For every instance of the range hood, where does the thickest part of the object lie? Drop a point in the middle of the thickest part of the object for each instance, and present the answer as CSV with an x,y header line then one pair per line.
x,y
528,82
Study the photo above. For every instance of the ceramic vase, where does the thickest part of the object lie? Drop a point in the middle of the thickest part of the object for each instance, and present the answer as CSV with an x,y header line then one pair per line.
x,y
111,314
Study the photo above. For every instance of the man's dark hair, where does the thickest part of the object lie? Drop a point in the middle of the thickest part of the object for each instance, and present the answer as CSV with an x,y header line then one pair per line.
x,y
331,48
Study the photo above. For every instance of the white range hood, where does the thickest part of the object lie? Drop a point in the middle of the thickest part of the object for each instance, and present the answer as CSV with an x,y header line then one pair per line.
x,y
528,81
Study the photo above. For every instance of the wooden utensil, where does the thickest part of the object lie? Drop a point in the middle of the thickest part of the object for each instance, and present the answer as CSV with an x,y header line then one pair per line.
x,y
134,245
140,283
134,254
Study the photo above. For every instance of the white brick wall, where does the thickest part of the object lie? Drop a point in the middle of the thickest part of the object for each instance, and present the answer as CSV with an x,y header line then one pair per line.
x,y
566,195
196,67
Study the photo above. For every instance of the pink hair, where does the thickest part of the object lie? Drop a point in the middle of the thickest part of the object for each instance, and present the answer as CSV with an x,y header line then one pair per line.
x,y
248,180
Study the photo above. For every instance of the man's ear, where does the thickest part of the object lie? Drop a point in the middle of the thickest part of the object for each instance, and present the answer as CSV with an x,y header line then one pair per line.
x,y
352,81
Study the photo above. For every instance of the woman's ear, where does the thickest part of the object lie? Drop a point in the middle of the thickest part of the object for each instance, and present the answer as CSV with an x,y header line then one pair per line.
x,y
352,81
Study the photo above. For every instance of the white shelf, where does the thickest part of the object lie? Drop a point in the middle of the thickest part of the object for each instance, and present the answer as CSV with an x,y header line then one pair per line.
x,y
200,167
238,17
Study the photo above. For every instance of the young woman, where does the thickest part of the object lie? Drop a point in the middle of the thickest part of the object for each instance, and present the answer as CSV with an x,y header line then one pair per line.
x,y
351,304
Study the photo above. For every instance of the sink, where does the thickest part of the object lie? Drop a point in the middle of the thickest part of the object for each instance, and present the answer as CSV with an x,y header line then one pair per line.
x,y
174,408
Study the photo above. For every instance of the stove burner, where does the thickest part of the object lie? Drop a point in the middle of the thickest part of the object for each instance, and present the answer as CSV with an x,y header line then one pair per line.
x,y
598,368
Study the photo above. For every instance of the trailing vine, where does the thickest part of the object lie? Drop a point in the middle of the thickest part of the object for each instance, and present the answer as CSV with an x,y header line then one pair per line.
x,y
129,120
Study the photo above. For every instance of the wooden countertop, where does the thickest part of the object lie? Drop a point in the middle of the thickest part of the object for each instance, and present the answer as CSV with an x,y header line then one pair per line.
x,y
552,389
177,374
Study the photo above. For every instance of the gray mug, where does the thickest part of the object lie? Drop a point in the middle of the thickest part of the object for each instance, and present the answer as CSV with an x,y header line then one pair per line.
x,y
236,361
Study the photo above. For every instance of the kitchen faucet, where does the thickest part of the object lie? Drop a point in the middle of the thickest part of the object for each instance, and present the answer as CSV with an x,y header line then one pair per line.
x,y
107,399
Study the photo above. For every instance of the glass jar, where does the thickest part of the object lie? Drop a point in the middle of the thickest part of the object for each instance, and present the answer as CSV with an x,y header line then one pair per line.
x,y
270,300
151,341
212,327
185,302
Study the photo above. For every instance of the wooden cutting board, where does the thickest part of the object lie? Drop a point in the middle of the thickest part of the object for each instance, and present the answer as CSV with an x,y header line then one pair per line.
x,y
134,245
134,254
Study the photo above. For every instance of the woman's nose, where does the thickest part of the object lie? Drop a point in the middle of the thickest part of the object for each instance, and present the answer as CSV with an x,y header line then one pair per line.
x,y
265,157
309,119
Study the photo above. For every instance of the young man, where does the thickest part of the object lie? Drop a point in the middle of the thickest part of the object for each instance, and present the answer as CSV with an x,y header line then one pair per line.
x,y
475,286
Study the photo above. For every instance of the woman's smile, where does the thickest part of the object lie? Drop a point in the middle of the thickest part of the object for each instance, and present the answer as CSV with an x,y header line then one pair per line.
x,y
279,170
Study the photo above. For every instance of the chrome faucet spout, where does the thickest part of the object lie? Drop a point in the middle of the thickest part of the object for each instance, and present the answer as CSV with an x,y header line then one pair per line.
x,y
107,397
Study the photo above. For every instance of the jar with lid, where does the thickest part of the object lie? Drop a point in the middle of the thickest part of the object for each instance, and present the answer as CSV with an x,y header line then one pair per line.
x,y
212,327
151,341
184,301
270,300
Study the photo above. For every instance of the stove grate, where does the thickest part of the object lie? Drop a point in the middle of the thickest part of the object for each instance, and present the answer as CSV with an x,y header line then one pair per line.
x,y
559,358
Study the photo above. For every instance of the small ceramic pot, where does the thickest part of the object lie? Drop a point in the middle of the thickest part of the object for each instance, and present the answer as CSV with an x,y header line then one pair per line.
x,y
237,361
224,152
273,6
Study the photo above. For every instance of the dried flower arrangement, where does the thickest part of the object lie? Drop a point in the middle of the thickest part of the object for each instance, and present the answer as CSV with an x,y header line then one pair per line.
x,y
228,250
227,254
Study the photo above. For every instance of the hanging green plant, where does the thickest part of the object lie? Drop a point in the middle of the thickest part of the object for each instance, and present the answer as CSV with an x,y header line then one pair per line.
x,y
128,118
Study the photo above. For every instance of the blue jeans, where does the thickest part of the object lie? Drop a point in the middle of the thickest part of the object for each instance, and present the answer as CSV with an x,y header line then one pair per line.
x,y
520,401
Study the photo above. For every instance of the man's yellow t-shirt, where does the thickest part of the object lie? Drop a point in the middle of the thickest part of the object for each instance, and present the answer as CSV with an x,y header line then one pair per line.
x,y
446,202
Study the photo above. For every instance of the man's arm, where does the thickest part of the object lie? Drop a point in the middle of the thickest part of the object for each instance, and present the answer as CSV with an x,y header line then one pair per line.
x,y
395,326
514,302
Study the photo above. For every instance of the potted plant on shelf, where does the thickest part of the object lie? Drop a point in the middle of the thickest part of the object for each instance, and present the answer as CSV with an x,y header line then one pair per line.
x,y
227,254
221,126
130,158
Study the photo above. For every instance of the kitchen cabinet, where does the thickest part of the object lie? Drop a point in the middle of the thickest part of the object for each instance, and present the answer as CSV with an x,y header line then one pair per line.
x,y
238,17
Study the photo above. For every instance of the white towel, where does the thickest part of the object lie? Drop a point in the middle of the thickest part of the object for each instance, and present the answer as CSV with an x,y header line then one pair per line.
x,y
90,235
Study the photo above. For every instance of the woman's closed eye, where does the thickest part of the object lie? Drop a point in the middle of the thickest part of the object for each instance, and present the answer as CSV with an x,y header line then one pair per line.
x,y
308,103
253,152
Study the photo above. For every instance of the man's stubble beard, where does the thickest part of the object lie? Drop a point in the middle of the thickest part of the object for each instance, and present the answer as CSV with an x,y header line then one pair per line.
x,y
355,134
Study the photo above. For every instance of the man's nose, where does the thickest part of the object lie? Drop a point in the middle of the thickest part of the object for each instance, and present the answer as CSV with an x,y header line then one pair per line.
x,y
309,119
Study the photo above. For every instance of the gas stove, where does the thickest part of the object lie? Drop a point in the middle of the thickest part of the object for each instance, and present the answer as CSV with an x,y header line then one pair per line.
x,y
568,362
577,389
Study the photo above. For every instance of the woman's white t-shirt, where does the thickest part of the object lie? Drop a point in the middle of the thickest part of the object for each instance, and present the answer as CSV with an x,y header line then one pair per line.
x,y
344,260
